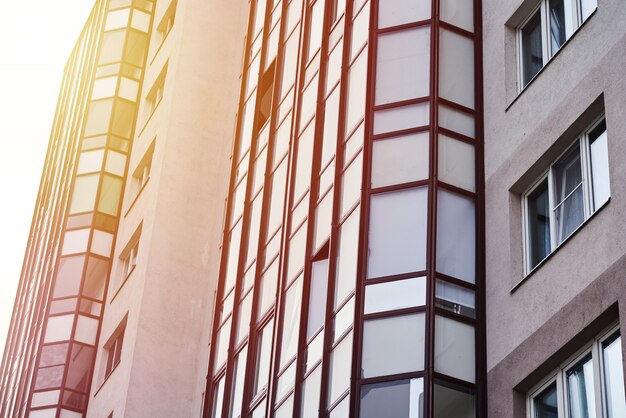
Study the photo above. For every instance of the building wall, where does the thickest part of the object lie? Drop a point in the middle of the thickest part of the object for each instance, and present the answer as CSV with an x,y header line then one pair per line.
x,y
531,320
180,210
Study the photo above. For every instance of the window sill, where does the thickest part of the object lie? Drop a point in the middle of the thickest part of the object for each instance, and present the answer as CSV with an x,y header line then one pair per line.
x,y
532,80
132,204
549,256
119,289
106,379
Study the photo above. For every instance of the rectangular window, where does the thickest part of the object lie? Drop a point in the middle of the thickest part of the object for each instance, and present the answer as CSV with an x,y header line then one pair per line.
x,y
113,349
154,96
128,256
166,23
142,172
586,385
545,31
575,186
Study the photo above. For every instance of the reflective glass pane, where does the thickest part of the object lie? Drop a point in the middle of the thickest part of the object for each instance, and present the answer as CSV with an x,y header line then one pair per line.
x,y
393,345
116,163
50,377
545,404
456,163
123,119
52,355
340,360
59,328
63,306
311,394
569,202
90,161
304,161
400,159
351,184
397,399
455,349
580,389
532,48
397,232
398,12
317,301
599,166
457,121
347,257
69,276
243,319
454,402
221,344
403,73
95,278
240,375
75,241
264,352
135,48
286,409
86,330
79,369
398,294
614,376
360,31
101,243
556,11
291,321
128,89
50,397
112,46
403,117
110,192
218,399
456,68
456,236
286,381
117,19
268,289
588,7
459,13
455,299
357,77
98,117
84,193
104,87
538,224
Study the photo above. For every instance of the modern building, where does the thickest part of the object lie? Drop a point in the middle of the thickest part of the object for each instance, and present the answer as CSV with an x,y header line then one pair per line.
x,y
330,208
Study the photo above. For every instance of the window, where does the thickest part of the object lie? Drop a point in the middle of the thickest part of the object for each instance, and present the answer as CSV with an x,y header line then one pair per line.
x,y
167,21
113,350
591,384
544,32
142,172
128,256
574,187
154,96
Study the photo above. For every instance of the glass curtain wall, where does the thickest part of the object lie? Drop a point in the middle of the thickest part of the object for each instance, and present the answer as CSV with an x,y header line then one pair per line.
x,y
66,357
350,280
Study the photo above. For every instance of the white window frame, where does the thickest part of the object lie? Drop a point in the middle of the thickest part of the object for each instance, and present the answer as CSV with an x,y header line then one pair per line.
x,y
587,185
560,377
573,21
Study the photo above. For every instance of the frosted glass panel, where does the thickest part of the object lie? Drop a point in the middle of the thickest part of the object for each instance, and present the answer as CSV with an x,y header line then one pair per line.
x,y
59,328
398,294
69,276
128,89
600,171
45,398
588,7
351,185
456,68
117,19
90,162
398,12
101,243
84,194
75,241
397,232
400,159
340,358
311,394
116,163
456,163
291,321
110,192
104,87
455,349
456,236
86,330
457,121
65,413
356,92
403,117
98,117
140,20
403,65
347,257
459,13
43,413
393,345
317,301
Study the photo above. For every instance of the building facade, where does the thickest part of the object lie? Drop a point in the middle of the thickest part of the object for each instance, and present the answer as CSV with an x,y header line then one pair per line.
x,y
330,208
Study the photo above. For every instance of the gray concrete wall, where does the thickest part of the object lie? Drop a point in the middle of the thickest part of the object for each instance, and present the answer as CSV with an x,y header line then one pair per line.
x,y
524,133
169,297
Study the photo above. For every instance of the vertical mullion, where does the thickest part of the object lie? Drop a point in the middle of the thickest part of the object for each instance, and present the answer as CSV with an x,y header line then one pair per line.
x,y
335,227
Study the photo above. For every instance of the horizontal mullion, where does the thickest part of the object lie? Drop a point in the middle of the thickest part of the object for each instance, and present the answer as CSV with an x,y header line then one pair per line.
x,y
457,29
456,135
386,279
395,312
401,103
391,378
457,106
457,317
451,188
396,187
416,24
458,282
408,131
454,381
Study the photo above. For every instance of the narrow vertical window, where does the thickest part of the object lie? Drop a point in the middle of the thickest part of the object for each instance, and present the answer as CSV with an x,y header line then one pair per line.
x,y
532,48
538,224
568,198
614,377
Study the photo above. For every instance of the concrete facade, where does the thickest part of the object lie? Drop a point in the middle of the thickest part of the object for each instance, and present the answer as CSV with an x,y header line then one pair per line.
x,y
534,322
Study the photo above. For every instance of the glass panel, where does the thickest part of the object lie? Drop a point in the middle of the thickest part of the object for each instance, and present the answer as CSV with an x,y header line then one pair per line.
x,y
50,377
545,404
268,289
398,399
398,294
86,330
397,232
135,48
556,11
84,194
79,221
277,199
308,102
263,358
304,161
50,397
75,241
311,394
459,13
456,163
343,320
112,46
351,185
140,20
323,220
614,377
98,117
104,87
255,229
297,250
59,328
456,68
347,257
116,163
291,321
398,12
110,192
63,306
218,399
260,410
52,355
243,319
233,257
286,381
538,219
331,119
457,403
90,162
286,409
454,349
587,7
580,391
357,77
457,121
568,195
43,413
400,159
532,52
237,389
101,243
315,28
342,410
403,117
340,361
221,343
69,276
124,118
117,19
314,351
79,369
128,89
599,166
317,301
403,73
360,31
456,236
393,345
95,278
455,299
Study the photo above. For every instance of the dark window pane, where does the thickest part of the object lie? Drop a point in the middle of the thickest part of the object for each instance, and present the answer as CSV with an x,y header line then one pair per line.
x,y
557,24
532,53
50,377
399,399
539,224
453,401
545,404
68,276
95,278
79,369
580,390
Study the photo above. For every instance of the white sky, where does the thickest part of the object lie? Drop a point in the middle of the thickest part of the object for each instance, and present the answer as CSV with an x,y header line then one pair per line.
x,y
36,38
